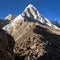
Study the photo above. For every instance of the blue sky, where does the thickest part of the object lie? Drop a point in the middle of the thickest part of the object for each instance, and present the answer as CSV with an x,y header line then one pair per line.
x,y
48,8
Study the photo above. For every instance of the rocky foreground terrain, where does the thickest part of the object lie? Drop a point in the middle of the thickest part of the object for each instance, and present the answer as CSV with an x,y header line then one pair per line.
x,y
30,42
29,36
37,42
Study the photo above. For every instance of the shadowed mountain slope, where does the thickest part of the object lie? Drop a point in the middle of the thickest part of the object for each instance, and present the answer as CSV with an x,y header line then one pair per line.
x,y
6,46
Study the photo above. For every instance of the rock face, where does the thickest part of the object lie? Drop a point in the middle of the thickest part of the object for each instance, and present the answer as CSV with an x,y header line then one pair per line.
x,y
13,24
6,46
34,42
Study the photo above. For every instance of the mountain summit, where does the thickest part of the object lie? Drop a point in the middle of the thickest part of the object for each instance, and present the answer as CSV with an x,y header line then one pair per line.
x,y
30,14
33,15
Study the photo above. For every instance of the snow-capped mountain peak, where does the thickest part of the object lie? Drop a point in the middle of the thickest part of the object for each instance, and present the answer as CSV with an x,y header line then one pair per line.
x,y
30,5
30,14
10,17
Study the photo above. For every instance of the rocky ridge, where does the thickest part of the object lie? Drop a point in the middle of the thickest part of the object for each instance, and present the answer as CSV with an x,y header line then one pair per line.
x,y
28,16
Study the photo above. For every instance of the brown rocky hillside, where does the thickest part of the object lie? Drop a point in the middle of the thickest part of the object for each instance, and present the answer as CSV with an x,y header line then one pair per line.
x,y
36,42
32,41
